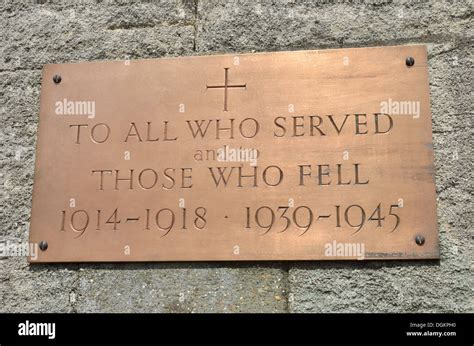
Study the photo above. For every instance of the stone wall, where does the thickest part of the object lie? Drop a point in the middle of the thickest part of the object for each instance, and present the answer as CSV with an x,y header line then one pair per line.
x,y
36,33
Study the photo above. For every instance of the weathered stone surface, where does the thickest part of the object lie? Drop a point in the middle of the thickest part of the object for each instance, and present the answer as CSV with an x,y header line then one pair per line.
x,y
35,34
236,26
39,288
19,107
443,286
159,287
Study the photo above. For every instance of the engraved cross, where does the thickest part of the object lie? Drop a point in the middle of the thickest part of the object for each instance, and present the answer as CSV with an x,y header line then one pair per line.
x,y
226,86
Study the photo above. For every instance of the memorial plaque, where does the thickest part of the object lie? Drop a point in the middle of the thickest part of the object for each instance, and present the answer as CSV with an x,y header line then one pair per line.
x,y
306,155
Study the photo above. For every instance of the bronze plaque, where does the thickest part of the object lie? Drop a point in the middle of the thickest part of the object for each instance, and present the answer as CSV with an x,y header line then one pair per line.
x,y
307,155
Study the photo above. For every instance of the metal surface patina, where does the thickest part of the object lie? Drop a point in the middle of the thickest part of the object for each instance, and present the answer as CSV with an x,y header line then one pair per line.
x,y
307,155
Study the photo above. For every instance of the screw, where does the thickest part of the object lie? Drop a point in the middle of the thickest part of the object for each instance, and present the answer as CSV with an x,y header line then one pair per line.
x,y
419,239
43,245
410,61
57,79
